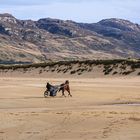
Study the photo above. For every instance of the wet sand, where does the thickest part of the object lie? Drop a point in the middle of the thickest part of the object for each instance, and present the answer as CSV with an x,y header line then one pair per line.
x,y
100,109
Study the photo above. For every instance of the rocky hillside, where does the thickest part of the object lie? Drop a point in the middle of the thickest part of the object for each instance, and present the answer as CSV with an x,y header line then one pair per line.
x,y
27,41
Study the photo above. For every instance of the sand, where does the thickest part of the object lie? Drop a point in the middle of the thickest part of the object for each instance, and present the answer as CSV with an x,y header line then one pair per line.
x,y
100,109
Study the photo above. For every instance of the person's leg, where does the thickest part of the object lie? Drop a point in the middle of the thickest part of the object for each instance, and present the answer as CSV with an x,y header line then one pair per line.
x,y
63,94
69,93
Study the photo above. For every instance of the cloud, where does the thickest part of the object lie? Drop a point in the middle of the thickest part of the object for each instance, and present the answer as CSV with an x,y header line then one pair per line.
x,y
21,2
37,2
77,10
41,2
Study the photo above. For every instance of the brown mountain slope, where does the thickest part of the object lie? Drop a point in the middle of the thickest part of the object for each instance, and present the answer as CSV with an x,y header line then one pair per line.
x,y
27,41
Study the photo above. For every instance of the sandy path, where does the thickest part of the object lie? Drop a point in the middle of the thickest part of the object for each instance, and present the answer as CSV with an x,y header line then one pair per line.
x,y
99,109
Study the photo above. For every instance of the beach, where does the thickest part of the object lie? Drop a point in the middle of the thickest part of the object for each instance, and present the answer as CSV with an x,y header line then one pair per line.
x,y
101,108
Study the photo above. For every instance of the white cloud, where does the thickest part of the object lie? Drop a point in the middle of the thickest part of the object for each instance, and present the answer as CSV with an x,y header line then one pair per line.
x,y
78,10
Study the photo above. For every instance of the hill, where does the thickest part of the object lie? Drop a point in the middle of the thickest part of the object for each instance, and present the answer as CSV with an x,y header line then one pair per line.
x,y
28,41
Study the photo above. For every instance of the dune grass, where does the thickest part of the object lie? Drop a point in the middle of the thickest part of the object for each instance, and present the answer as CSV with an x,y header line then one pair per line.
x,y
109,66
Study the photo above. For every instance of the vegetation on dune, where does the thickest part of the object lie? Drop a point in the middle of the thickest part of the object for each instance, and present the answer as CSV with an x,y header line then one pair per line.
x,y
132,63
109,66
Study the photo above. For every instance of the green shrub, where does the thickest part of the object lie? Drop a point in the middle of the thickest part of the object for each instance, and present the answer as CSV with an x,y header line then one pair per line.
x,y
127,72
73,72
115,72
79,73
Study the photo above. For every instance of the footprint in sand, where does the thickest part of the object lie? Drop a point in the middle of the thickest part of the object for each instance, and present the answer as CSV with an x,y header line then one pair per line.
x,y
33,132
35,114
28,132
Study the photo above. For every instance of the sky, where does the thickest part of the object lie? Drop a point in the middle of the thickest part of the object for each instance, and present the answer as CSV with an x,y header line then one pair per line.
x,y
89,11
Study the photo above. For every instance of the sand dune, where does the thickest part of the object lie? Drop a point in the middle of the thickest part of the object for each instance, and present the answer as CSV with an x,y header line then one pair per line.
x,y
100,109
